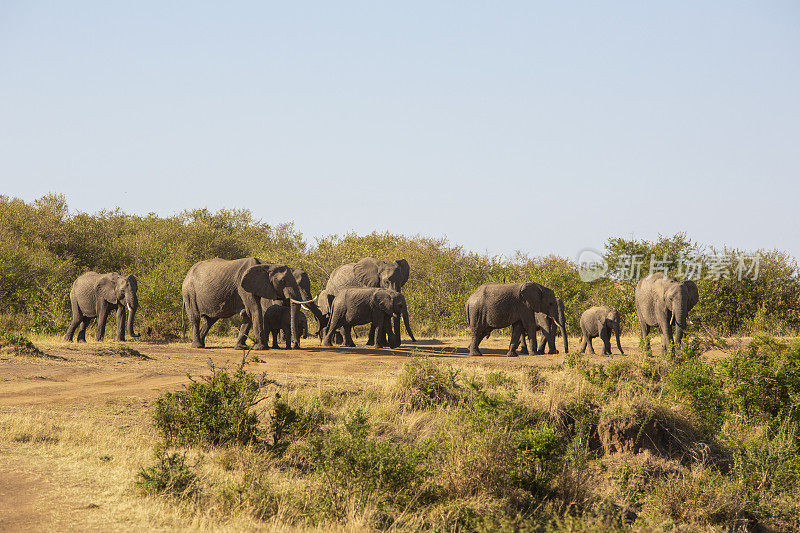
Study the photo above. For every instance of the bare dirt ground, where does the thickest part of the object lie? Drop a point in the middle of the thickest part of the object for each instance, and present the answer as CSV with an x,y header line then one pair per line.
x,y
58,413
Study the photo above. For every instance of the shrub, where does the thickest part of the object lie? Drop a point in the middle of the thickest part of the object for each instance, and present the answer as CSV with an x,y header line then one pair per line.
x,y
426,383
698,384
169,475
356,470
763,380
216,410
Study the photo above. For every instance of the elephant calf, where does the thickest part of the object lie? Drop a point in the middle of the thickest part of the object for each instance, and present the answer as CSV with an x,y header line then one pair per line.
x,y
277,318
369,305
600,321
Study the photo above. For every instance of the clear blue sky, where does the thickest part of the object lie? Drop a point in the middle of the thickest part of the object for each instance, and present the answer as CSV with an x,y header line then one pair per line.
x,y
537,126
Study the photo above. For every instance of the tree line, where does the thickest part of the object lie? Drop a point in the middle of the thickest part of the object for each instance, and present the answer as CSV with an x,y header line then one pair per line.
x,y
44,247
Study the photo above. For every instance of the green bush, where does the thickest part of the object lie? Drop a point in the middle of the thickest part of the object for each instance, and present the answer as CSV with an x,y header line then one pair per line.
x,y
699,385
763,380
169,475
357,470
427,383
216,410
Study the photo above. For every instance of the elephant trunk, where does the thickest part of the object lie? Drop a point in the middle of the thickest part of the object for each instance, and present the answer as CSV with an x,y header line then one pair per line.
x,y
132,308
394,334
616,333
321,320
562,325
679,315
407,324
293,293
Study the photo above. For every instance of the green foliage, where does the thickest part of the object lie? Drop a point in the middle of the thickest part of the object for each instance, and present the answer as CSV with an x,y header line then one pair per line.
x,y
216,410
18,344
770,464
699,385
357,470
170,475
763,380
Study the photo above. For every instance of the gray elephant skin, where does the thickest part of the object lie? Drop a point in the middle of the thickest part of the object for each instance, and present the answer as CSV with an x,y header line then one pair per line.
x,y
304,283
371,272
665,302
277,319
499,305
220,288
367,305
95,295
600,321
547,326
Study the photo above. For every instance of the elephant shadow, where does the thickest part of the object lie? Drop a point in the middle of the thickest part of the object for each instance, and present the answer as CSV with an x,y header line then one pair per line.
x,y
405,350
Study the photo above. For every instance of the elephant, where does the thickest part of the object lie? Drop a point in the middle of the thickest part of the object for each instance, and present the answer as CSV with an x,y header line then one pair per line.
x,y
277,318
355,306
547,326
220,288
94,295
664,302
600,321
371,272
499,305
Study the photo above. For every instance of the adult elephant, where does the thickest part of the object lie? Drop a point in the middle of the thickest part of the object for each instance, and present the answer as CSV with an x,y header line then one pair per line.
x,y
600,321
665,302
220,288
95,295
371,272
499,305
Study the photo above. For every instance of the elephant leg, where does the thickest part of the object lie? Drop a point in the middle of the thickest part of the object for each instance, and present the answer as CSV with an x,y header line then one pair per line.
x,y
197,341
256,313
287,333
102,317
77,318
529,323
82,330
348,337
545,340
244,330
584,342
121,314
644,331
605,336
378,325
591,348
477,336
516,332
371,338
206,324
523,343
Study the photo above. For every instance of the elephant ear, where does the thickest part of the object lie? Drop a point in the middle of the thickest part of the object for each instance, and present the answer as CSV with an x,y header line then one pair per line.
x,y
532,293
133,282
366,273
385,301
106,289
257,280
405,270
692,293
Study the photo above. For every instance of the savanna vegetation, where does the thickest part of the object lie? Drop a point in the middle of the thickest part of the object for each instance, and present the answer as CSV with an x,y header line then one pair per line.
x,y
651,444
44,247
643,442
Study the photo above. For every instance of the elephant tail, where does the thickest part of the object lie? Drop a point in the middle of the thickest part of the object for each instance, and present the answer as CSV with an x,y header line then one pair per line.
x,y
183,322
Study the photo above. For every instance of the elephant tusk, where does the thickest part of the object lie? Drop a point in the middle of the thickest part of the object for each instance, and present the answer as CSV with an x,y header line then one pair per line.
x,y
303,302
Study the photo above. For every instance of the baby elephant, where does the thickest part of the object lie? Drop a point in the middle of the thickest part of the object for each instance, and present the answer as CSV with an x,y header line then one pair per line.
x,y
368,305
599,322
277,318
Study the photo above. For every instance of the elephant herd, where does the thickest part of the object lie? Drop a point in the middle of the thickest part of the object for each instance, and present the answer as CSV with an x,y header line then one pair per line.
x,y
269,296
